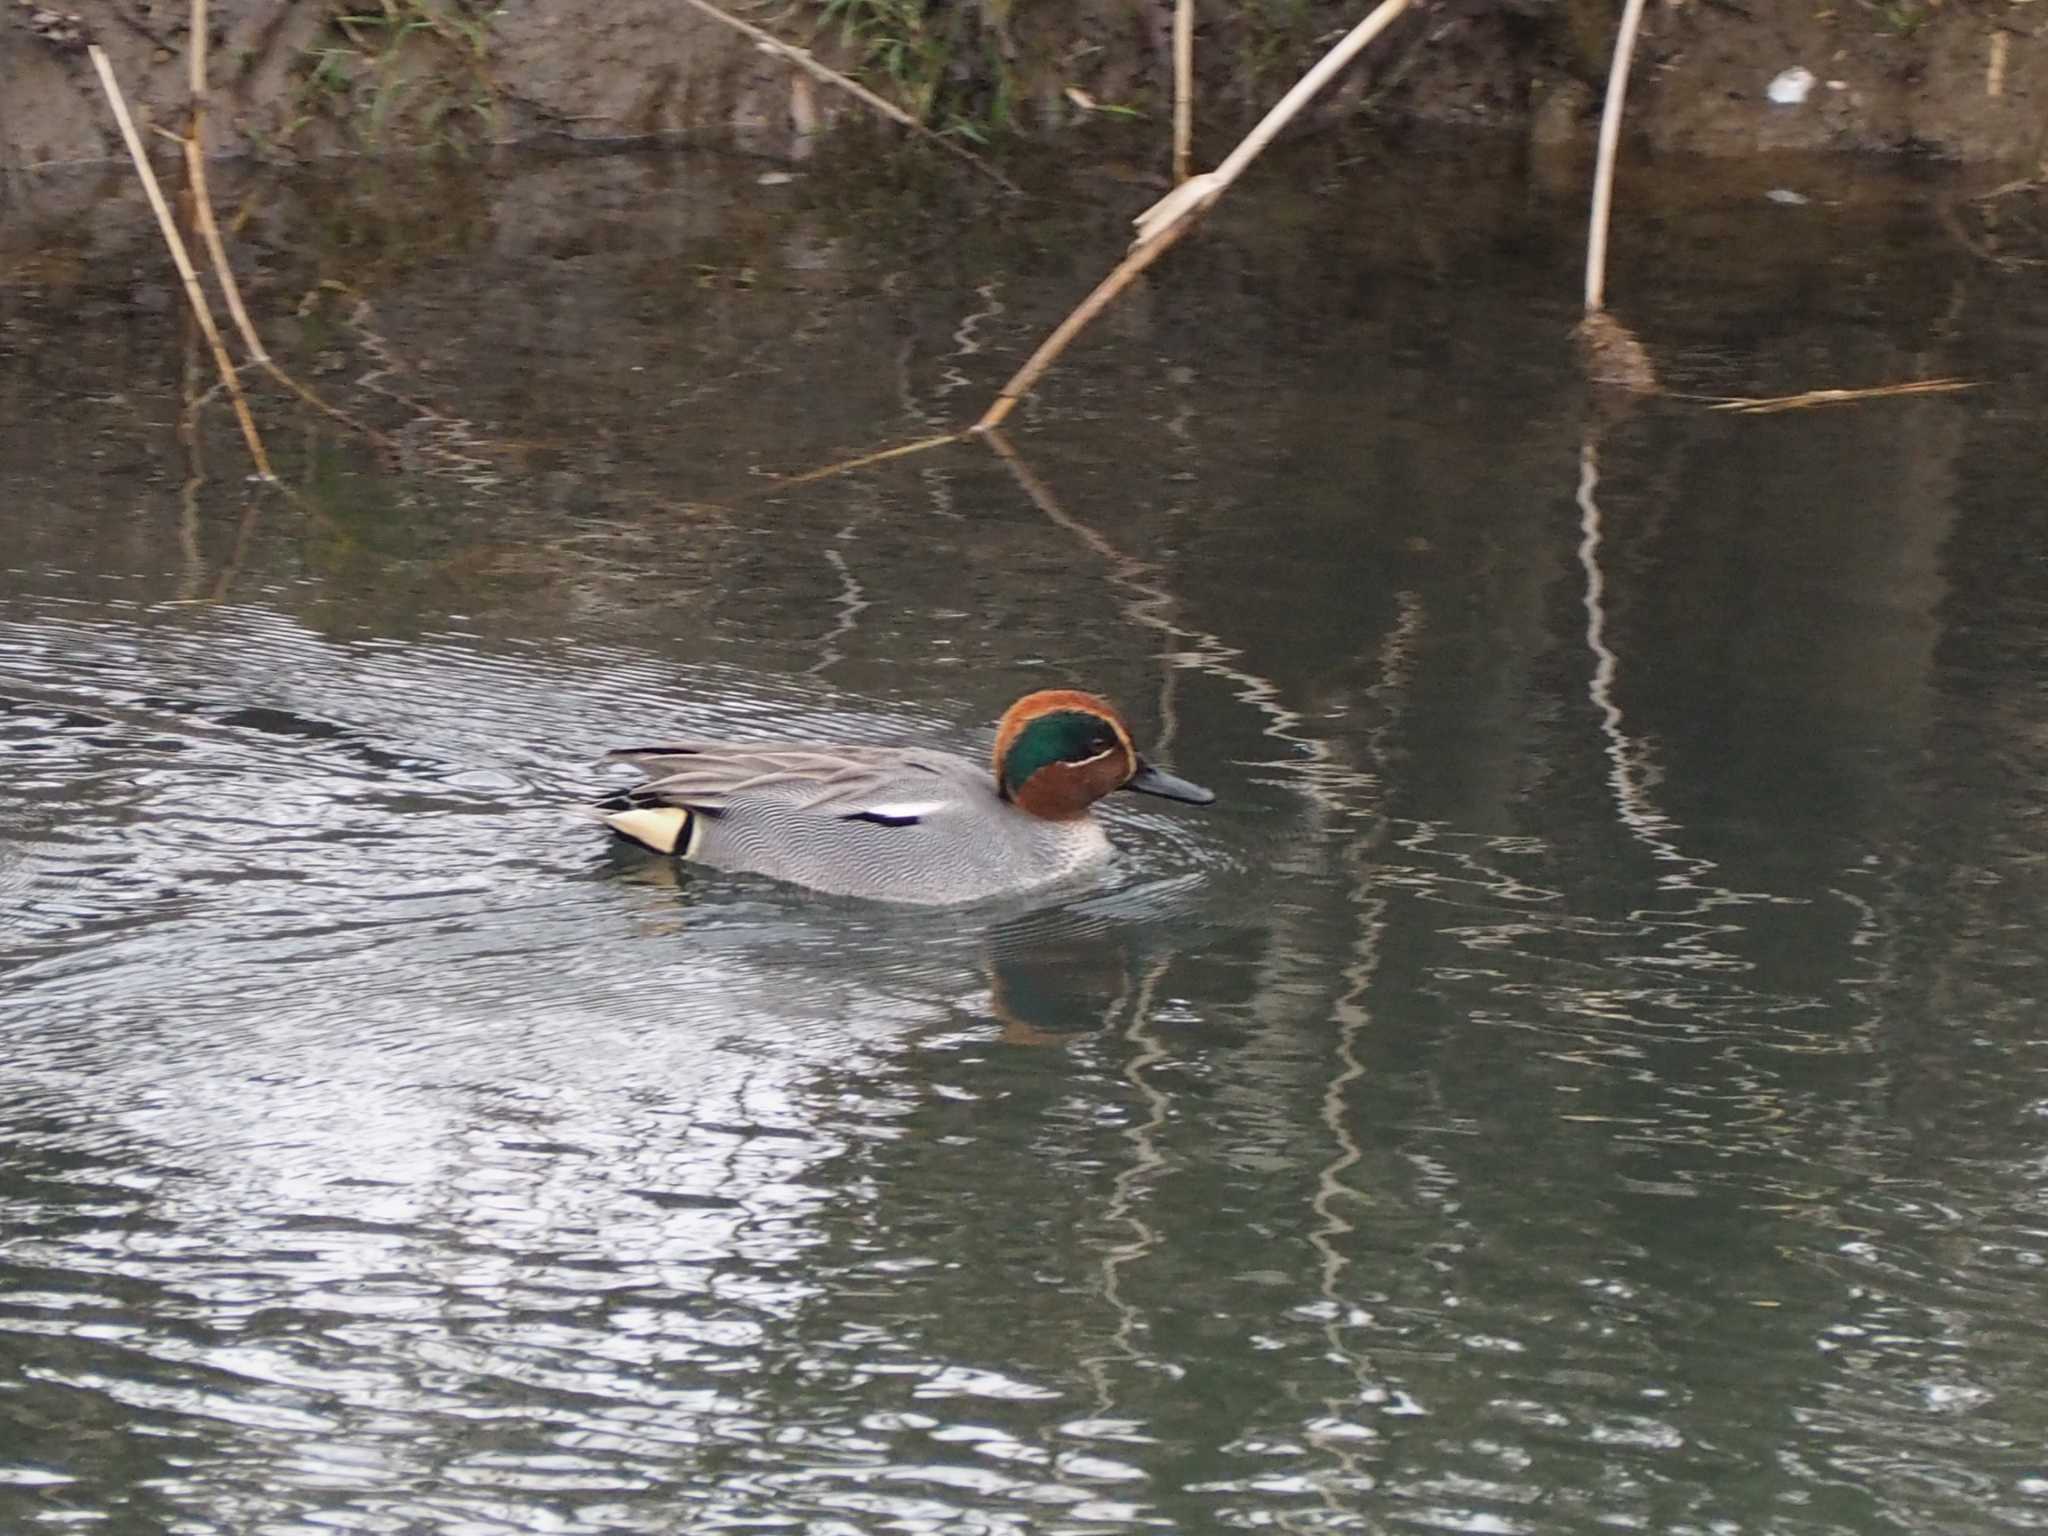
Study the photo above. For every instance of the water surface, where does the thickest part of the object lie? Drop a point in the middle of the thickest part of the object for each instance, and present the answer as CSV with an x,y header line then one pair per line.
x,y
1585,1071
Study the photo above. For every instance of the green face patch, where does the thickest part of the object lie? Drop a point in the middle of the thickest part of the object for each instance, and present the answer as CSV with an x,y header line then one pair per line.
x,y
1064,736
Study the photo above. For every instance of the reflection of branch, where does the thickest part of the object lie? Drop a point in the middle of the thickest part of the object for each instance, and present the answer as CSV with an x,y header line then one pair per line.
x,y
952,376
191,440
1146,1160
1353,1017
1169,675
851,602
251,515
1631,795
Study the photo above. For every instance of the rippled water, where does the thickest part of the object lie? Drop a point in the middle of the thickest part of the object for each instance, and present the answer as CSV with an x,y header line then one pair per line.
x,y
1586,1071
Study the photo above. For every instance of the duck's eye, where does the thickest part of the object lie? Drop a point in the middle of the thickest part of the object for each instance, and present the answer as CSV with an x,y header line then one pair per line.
x,y
1093,747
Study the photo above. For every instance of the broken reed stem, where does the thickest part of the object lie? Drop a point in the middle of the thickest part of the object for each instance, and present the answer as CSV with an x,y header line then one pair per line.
x,y
1603,169
195,175
216,247
195,60
1183,88
182,260
801,58
1141,256
216,252
1306,89
1748,405
882,456
1173,215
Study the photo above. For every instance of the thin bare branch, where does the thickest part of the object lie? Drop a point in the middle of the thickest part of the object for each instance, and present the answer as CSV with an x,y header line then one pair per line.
x,y
1183,87
1307,89
1610,143
1161,225
901,451
1746,405
216,248
1141,256
181,259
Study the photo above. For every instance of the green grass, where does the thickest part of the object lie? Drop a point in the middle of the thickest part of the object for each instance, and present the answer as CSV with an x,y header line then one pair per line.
x,y
402,72
943,64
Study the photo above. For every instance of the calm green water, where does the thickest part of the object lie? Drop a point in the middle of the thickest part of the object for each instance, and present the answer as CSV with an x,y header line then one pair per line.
x,y
1586,1071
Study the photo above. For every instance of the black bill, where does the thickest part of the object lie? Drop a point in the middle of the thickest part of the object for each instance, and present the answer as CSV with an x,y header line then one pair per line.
x,y
1155,781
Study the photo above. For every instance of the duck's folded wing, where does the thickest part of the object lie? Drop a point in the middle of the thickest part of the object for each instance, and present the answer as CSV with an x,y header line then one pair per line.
x,y
888,784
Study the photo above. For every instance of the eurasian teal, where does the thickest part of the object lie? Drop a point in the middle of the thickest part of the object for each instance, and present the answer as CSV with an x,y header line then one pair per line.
x,y
898,823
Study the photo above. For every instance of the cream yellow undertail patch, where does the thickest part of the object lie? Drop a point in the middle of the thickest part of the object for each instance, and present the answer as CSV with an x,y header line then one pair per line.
x,y
660,827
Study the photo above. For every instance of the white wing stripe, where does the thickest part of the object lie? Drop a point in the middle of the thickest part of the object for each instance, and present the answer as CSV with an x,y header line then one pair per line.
x,y
907,810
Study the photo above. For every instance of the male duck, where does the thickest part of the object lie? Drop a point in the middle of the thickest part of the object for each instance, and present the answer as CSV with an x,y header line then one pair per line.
x,y
898,823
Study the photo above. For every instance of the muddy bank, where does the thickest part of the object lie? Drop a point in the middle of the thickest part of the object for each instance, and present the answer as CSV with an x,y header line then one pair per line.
x,y
295,78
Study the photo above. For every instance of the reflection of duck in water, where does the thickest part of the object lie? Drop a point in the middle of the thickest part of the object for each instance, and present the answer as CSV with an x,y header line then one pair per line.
x,y
1059,973
1033,975
898,823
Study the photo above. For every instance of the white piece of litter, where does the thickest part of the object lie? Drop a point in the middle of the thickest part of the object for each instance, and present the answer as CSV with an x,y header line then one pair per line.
x,y
1788,196
1791,86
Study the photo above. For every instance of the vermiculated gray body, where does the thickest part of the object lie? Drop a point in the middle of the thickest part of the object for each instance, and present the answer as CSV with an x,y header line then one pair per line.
x,y
889,823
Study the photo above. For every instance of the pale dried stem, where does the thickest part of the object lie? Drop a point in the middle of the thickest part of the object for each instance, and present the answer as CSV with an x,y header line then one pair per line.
x,y
802,59
1603,168
881,457
216,247
1140,257
195,63
1183,88
216,251
1753,406
1306,89
182,260
1166,221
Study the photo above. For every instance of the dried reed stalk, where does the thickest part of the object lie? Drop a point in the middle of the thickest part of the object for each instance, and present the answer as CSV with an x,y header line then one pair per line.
x,y
802,59
182,260
1173,215
1770,405
1141,256
1183,88
1613,355
216,248
881,456
1610,143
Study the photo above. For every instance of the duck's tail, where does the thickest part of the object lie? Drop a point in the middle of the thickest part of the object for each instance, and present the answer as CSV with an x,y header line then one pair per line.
x,y
659,825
